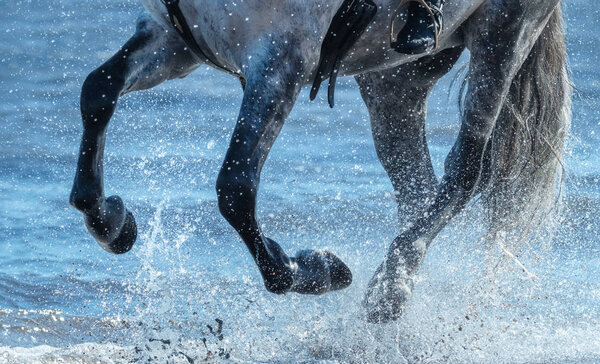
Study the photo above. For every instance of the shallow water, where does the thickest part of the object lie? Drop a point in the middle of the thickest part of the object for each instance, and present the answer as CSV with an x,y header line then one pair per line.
x,y
64,298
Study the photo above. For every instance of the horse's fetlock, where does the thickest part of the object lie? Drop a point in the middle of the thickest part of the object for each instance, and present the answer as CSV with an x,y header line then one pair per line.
x,y
83,201
278,287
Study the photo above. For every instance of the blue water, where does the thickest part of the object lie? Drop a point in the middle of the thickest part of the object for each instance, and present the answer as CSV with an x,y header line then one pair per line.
x,y
64,298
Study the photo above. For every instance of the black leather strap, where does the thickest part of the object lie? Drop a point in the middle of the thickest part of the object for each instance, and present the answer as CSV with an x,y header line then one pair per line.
x,y
197,45
348,24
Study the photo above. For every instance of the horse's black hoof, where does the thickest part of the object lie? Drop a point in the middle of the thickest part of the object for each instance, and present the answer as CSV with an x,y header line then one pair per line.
x,y
341,276
385,310
319,272
112,225
386,297
124,242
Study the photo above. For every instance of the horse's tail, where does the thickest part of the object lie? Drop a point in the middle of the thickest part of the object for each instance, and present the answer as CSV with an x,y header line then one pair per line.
x,y
524,165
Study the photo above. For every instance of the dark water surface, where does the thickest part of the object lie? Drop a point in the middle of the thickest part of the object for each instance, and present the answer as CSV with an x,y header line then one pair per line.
x,y
64,298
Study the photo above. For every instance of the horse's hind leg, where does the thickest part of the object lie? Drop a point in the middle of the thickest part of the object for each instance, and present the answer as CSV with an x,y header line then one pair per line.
x,y
500,37
150,57
397,103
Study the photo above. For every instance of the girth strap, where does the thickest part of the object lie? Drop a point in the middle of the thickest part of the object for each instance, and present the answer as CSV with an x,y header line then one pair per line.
x,y
197,45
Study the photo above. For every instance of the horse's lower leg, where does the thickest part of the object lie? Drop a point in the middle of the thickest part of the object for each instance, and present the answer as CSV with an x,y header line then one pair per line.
x,y
499,39
397,108
147,59
272,87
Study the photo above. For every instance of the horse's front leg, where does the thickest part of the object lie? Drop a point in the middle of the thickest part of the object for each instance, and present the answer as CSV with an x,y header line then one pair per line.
x,y
499,39
150,57
273,84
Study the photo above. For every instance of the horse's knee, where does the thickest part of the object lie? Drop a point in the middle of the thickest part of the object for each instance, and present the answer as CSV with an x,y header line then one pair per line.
x,y
236,194
99,95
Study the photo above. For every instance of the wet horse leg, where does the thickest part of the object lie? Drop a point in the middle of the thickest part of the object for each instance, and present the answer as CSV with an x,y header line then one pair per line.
x,y
273,83
397,103
150,57
499,38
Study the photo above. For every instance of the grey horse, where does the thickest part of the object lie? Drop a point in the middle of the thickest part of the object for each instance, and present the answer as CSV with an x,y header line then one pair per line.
x,y
514,120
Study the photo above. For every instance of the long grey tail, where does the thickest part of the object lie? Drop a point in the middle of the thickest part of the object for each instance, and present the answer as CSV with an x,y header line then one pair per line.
x,y
524,165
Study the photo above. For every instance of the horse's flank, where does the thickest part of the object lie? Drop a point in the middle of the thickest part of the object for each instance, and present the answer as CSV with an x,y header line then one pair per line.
x,y
238,31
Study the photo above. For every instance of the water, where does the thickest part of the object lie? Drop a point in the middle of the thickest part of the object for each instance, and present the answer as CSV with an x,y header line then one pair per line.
x,y
64,298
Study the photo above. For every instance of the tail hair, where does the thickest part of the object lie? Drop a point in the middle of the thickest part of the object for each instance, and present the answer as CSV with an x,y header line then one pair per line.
x,y
524,161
